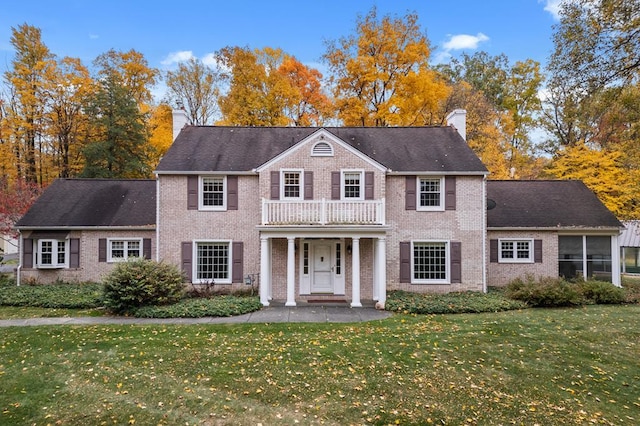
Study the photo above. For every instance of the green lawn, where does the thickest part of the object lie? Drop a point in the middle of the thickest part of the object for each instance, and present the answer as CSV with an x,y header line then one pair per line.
x,y
535,366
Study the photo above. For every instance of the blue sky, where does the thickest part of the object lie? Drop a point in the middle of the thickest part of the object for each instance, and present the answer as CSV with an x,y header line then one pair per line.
x,y
166,32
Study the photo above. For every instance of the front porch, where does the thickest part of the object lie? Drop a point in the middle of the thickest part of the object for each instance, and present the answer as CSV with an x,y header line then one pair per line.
x,y
321,266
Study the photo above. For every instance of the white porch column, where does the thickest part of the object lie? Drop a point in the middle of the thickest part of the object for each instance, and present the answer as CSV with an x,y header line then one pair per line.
x,y
615,262
355,269
381,263
265,271
291,272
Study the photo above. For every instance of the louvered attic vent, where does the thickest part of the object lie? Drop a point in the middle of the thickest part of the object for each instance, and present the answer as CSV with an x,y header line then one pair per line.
x,y
322,149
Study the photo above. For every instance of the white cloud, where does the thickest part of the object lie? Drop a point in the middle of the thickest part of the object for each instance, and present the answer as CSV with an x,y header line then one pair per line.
x,y
464,41
94,36
553,7
176,57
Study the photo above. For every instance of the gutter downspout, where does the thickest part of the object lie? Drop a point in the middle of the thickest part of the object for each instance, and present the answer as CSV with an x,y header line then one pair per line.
x,y
157,218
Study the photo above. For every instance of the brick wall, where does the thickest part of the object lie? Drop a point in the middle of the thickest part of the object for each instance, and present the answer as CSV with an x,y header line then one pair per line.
x,y
499,274
90,268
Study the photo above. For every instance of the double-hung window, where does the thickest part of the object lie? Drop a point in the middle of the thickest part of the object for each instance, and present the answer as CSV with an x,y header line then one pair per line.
x,y
515,251
352,185
213,262
292,184
430,262
213,193
122,249
430,193
52,253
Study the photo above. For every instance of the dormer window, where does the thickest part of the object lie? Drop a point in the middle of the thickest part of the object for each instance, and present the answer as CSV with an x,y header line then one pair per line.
x,y
322,149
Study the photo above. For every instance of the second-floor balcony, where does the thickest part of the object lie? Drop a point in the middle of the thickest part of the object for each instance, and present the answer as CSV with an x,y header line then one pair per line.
x,y
323,212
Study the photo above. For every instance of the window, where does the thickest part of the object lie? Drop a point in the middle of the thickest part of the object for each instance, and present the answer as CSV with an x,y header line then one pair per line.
x,y
352,185
213,260
430,193
580,253
213,193
516,251
429,262
291,184
121,250
52,254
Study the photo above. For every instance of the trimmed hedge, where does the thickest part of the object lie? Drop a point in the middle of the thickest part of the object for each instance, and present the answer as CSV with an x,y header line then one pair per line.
x,y
57,296
449,303
217,306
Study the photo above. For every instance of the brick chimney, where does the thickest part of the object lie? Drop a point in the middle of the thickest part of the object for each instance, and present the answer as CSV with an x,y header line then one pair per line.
x,y
458,120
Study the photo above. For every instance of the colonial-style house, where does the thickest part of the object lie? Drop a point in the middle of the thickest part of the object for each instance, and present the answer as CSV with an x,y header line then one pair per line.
x,y
332,213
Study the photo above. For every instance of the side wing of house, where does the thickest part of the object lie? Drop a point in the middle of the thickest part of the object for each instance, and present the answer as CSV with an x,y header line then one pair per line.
x,y
80,228
550,228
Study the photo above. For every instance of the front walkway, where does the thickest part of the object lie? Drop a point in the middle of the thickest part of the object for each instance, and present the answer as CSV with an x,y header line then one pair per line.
x,y
271,314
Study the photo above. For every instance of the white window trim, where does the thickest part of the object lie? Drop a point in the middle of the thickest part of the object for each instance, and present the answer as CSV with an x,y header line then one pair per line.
x,y
201,205
111,259
439,208
342,184
447,249
54,254
282,184
194,257
515,242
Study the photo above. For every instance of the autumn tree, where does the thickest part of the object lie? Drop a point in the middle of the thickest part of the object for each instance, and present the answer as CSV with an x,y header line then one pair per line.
x,y
28,81
381,75
161,128
65,118
131,71
15,199
118,147
508,96
308,104
597,43
195,86
602,172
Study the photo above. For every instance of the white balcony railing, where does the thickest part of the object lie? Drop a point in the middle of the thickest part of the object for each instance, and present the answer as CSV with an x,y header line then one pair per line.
x,y
323,212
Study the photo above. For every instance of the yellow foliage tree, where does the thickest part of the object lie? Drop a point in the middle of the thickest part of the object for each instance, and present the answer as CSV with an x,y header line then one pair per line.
x,y
161,126
601,171
381,76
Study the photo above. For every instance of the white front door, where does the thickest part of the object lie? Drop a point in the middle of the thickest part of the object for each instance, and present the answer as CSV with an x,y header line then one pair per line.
x,y
322,281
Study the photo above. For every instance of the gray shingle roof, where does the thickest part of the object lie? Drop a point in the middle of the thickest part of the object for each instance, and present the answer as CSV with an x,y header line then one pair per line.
x,y
546,204
240,149
93,202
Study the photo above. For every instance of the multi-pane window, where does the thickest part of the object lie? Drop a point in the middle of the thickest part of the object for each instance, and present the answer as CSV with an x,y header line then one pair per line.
x,y
430,261
352,184
52,253
291,184
587,256
213,192
430,193
516,251
124,249
213,262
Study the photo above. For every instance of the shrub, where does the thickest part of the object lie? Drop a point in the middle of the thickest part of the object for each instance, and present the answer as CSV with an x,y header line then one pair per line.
x,y
544,292
57,296
450,303
217,306
601,292
142,282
